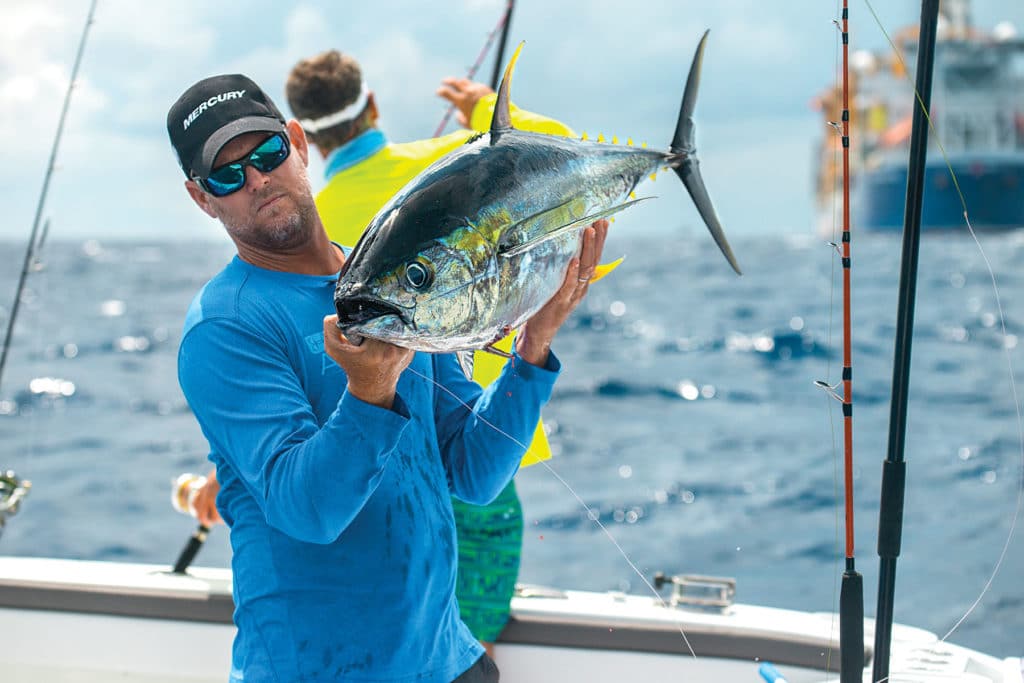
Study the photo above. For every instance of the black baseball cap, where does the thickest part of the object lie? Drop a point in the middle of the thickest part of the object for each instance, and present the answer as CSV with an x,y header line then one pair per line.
x,y
211,113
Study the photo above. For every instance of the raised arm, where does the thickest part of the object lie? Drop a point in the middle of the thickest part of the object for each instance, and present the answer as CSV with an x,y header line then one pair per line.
x,y
475,105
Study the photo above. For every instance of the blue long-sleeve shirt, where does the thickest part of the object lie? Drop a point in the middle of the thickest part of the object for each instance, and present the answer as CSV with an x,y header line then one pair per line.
x,y
341,524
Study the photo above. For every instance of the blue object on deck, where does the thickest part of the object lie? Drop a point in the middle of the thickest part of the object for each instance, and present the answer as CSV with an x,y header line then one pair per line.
x,y
770,674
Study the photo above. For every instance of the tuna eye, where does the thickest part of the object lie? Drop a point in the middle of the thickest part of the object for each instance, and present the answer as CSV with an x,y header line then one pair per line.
x,y
417,275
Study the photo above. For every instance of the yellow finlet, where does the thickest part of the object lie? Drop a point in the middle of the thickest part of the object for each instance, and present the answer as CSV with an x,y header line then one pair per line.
x,y
615,140
654,175
603,269
644,145
632,195
584,136
600,137
629,141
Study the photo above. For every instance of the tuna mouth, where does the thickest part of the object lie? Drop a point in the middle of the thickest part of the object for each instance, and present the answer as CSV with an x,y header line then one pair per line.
x,y
358,310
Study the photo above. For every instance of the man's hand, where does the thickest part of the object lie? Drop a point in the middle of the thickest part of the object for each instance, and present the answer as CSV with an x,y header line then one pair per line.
x,y
373,367
534,339
205,501
463,94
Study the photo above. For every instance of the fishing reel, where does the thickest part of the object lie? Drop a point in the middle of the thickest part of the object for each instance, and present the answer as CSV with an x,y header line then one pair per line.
x,y
12,492
183,492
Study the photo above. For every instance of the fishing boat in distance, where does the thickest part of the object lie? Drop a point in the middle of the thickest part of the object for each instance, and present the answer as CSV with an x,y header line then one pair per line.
x,y
978,117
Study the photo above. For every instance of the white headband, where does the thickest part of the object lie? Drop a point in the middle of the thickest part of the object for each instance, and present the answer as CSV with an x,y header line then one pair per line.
x,y
346,114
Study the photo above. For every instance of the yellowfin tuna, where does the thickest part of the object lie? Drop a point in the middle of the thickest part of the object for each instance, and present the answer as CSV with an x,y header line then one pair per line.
x,y
478,242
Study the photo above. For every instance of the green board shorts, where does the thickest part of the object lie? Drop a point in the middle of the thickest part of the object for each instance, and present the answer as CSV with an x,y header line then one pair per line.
x,y
490,543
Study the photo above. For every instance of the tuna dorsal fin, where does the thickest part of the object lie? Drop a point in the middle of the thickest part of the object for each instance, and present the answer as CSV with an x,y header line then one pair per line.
x,y
502,119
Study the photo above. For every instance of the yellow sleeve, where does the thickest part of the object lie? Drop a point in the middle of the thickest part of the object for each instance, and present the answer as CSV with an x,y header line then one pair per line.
x,y
521,119
352,197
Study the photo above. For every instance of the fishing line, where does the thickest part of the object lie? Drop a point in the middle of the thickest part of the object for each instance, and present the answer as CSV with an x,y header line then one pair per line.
x,y
1002,323
833,129
502,25
591,514
1020,438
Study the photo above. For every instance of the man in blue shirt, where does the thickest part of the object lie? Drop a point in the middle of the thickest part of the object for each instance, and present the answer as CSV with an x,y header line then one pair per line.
x,y
336,461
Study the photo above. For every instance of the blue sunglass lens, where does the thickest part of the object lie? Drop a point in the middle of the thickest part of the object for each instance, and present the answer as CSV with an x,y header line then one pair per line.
x,y
225,180
269,155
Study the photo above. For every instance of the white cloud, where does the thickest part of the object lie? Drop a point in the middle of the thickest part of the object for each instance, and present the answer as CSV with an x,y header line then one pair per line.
x,y
305,28
26,35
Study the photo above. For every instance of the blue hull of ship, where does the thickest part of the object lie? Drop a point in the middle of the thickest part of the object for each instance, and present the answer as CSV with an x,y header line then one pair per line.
x,y
993,189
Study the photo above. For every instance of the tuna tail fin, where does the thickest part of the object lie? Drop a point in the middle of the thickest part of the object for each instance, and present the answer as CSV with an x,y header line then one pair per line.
x,y
687,167
502,119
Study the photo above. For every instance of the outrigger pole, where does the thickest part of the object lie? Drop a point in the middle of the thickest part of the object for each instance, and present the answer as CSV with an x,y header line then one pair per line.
x,y
34,242
890,519
502,25
851,596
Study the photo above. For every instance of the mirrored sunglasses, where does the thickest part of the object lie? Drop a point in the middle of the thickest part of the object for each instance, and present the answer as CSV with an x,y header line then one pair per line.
x,y
229,178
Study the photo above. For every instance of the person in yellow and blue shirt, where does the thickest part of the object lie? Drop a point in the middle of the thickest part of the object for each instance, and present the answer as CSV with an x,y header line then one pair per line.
x,y
332,101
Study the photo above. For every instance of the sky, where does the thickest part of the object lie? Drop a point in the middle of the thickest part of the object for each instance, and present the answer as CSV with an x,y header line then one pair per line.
x,y
615,68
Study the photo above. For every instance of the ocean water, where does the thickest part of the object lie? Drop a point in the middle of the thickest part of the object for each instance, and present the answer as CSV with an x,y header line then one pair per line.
x,y
687,418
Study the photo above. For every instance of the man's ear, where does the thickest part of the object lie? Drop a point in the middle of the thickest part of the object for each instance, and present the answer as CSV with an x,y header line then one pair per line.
x,y
298,139
200,198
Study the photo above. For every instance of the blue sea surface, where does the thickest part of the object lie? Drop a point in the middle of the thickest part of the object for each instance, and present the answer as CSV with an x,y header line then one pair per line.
x,y
687,418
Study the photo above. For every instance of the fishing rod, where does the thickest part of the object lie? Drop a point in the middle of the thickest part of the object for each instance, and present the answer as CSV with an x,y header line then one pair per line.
x,y
890,518
191,549
183,495
34,243
851,595
503,25
499,56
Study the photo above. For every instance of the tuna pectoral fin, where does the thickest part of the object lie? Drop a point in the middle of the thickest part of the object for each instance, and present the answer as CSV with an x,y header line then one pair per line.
x,y
516,249
689,173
